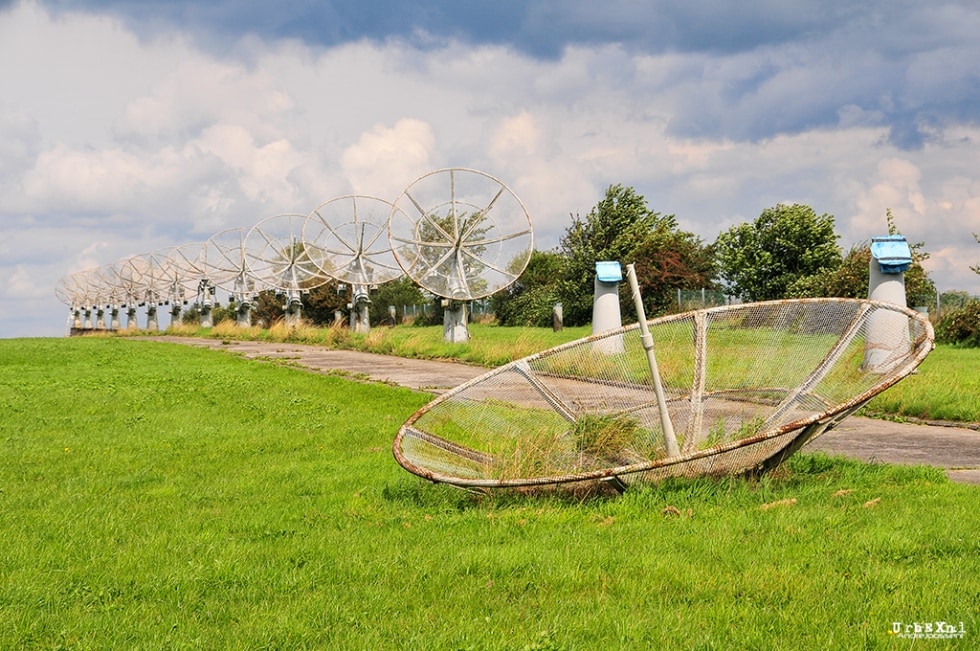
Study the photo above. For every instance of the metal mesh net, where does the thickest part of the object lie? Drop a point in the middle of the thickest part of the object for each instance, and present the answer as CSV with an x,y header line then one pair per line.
x,y
745,386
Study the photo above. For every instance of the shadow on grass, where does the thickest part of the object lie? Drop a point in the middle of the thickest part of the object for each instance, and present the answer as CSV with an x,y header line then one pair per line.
x,y
809,471
422,494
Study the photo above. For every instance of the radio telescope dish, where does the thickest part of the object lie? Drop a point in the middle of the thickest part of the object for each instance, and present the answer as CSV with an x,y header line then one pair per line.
x,y
88,283
114,292
350,235
100,293
744,385
192,262
173,280
277,255
462,235
225,259
71,290
145,273
131,285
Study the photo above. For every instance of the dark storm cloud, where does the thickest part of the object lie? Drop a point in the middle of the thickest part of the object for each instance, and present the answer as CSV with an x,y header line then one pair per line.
x,y
769,66
540,29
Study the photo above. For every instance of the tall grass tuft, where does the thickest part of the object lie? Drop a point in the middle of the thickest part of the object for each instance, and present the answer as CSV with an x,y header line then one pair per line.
x,y
298,333
183,329
607,436
229,329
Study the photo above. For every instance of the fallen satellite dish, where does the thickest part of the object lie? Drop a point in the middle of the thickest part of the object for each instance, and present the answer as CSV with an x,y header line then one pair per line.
x,y
743,388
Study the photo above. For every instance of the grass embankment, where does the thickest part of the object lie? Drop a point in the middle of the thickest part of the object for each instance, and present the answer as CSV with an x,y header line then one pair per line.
x,y
156,496
944,388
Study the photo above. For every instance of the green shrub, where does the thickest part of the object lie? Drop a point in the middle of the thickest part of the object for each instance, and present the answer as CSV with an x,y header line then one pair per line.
x,y
960,326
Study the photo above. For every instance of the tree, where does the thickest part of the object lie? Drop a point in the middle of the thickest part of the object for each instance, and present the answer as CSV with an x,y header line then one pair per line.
x,y
267,309
612,230
668,260
322,302
530,300
191,315
761,260
221,313
954,298
399,292
851,279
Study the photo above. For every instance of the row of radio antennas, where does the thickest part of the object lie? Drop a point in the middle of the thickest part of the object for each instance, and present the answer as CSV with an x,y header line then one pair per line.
x,y
458,233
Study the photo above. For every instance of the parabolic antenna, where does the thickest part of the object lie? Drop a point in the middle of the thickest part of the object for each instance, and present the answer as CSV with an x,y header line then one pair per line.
x,y
277,255
113,292
225,259
99,293
745,386
350,235
145,277
173,279
90,294
72,290
129,289
191,260
462,235
132,285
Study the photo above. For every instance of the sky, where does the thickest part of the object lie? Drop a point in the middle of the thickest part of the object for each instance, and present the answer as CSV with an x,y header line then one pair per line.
x,y
128,127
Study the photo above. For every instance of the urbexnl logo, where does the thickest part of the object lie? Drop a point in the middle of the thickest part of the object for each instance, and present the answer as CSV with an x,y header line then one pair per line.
x,y
927,630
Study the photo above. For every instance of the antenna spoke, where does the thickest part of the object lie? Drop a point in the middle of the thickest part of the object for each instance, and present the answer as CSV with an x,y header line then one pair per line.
x,y
490,265
474,214
496,240
352,248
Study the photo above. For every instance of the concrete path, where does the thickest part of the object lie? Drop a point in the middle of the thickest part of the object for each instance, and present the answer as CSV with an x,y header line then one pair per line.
x,y
957,449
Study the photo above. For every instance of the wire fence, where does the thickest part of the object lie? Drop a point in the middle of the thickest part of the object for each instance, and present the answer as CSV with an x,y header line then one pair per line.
x,y
477,309
946,302
690,299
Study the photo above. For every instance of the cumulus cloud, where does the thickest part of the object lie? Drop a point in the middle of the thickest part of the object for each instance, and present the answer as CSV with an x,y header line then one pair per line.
x,y
19,140
386,159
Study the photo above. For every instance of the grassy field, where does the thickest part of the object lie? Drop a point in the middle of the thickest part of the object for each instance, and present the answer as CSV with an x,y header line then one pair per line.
x,y
155,496
944,388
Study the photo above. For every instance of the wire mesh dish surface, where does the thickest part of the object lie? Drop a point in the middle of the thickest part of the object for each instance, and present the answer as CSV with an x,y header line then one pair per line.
x,y
745,386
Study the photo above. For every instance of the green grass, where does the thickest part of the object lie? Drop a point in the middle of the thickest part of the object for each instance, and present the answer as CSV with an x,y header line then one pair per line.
x,y
155,496
945,387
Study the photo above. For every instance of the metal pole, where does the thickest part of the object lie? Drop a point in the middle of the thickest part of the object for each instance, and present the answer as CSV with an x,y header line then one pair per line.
x,y
670,440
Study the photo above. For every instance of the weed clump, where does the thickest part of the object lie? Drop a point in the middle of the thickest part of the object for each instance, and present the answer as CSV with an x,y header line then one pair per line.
x,y
606,436
593,441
